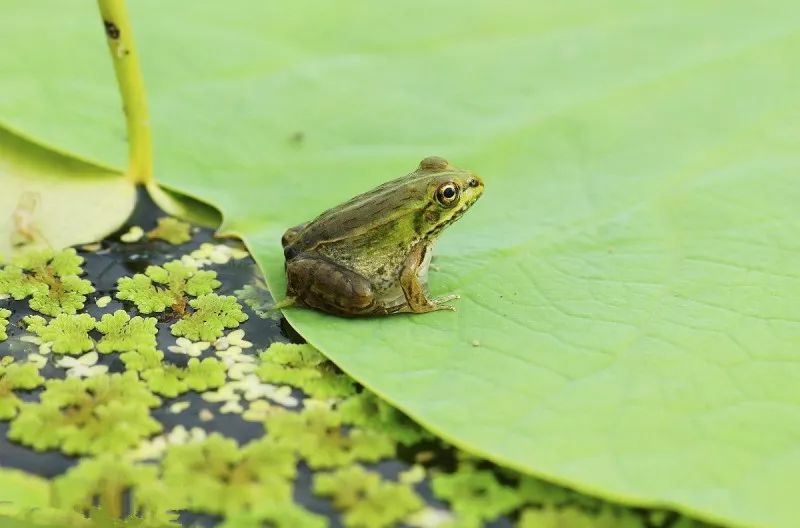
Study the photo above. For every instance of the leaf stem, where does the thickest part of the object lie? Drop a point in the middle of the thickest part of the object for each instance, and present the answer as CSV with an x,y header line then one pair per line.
x,y
125,57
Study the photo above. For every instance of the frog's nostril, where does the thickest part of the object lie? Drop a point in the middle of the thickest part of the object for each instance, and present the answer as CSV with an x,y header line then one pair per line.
x,y
474,181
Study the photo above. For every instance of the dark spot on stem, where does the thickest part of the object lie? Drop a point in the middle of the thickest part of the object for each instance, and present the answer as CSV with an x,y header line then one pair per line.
x,y
112,31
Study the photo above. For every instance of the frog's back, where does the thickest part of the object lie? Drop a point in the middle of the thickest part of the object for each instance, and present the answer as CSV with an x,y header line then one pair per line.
x,y
391,208
385,204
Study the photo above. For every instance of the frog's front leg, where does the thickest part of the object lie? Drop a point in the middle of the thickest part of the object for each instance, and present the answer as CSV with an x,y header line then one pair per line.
x,y
323,284
413,286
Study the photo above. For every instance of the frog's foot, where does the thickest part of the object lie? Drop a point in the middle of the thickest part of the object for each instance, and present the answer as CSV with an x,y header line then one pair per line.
x,y
439,303
432,305
445,298
284,303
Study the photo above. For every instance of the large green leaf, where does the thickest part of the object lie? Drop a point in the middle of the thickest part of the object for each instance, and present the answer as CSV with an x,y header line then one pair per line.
x,y
20,491
47,196
629,323
50,198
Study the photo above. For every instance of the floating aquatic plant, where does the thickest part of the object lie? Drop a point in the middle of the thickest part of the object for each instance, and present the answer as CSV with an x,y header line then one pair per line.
x,y
368,411
217,476
209,253
170,380
304,367
162,287
317,434
171,230
121,333
475,495
105,413
275,515
66,334
257,298
365,499
211,316
51,280
15,376
114,484
4,316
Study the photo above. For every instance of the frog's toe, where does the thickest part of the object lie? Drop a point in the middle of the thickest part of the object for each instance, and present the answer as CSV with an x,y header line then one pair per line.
x,y
440,303
446,298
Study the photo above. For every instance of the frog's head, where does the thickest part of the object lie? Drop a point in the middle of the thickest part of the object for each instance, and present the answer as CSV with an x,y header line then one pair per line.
x,y
448,193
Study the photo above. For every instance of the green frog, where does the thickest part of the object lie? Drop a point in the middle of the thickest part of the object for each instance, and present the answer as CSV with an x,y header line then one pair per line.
x,y
370,255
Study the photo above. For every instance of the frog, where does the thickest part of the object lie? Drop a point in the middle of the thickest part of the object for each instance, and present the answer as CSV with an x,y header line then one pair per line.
x,y
370,255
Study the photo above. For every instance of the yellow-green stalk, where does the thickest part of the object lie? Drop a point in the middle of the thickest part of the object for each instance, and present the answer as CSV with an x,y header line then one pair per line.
x,y
131,86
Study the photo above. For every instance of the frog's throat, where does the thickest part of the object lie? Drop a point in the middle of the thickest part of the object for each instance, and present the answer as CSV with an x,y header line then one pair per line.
x,y
458,213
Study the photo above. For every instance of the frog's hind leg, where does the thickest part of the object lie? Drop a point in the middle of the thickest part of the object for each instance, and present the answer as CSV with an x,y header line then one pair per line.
x,y
327,286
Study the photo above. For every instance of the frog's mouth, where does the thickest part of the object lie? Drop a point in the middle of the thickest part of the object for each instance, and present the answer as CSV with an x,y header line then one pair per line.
x,y
473,195
458,213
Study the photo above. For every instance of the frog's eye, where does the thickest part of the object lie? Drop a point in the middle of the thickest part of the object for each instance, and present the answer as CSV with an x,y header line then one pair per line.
x,y
447,194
